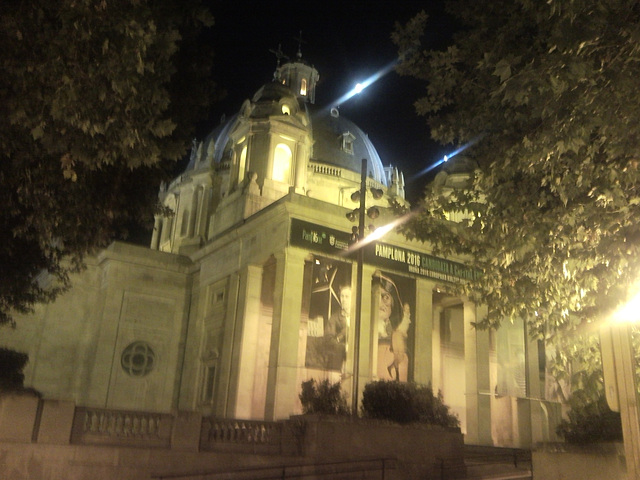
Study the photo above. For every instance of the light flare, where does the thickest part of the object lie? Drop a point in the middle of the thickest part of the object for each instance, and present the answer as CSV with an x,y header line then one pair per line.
x,y
360,86
447,157
379,232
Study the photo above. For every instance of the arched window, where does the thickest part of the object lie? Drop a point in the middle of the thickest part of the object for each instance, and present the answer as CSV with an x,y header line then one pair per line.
x,y
242,164
184,224
282,163
303,87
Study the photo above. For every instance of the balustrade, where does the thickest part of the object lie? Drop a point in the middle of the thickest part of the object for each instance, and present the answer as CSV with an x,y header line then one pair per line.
x,y
226,434
121,427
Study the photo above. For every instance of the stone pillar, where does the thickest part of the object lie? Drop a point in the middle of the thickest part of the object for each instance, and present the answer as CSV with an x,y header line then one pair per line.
x,y
423,321
368,333
193,213
436,352
301,165
246,346
56,422
227,358
477,381
155,236
282,387
540,426
18,417
203,210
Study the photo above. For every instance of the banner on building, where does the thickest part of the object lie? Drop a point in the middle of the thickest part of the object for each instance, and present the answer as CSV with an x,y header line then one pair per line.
x,y
383,255
327,311
394,325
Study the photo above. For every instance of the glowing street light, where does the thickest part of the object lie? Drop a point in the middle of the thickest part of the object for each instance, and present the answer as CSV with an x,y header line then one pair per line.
x,y
621,390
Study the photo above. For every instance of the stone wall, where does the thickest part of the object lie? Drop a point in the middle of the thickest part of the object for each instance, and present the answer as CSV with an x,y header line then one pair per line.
x,y
53,440
418,450
571,462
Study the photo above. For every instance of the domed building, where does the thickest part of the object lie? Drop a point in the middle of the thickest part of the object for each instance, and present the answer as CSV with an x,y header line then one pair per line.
x,y
249,288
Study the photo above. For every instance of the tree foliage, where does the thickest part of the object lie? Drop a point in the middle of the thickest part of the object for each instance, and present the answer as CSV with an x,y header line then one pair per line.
x,y
12,364
547,91
100,99
592,422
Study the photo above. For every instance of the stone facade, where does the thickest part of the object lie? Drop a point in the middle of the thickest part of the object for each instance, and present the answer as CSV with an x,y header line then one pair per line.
x,y
248,289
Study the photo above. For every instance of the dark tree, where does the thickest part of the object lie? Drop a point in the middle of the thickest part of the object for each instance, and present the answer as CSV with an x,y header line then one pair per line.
x,y
547,91
100,99
11,365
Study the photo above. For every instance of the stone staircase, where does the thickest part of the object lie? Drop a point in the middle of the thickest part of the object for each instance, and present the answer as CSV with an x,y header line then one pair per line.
x,y
494,463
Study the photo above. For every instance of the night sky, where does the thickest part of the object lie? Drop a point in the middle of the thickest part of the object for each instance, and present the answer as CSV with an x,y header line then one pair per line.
x,y
347,42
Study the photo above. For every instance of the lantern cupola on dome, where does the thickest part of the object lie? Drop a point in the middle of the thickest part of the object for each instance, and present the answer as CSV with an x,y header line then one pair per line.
x,y
298,75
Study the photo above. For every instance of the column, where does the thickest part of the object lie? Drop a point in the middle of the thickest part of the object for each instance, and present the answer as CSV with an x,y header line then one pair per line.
x,y
436,352
155,236
226,364
477,394
193,213
282,387
203,212
423,321
245,346
368,338
535,392
301,165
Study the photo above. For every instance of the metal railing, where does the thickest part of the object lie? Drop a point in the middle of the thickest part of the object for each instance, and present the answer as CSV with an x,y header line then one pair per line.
x,y
364,468
484,457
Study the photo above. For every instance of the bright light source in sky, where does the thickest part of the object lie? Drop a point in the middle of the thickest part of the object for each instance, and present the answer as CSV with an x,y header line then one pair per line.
x,y
360,86
446,158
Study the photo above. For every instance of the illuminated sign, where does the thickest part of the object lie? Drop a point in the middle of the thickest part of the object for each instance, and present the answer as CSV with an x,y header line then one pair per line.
x,y
327,240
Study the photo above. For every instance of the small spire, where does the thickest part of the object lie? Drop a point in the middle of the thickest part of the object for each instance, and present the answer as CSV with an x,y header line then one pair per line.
x,y
300,42
279,54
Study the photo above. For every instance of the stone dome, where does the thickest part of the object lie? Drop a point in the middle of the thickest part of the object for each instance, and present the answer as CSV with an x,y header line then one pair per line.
x,y
337,141
330,132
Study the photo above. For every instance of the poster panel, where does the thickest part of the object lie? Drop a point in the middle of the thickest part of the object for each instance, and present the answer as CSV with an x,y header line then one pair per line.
x,y
394,325
328,296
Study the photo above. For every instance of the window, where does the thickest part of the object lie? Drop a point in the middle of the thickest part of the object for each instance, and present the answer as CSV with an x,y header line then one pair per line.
x,y
347,142
303,87
219,296
286,110
138,359
281,163
209,384
242,164
185,222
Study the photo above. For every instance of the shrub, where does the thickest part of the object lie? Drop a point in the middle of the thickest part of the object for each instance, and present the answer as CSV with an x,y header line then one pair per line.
x,y
406,403
11,365
591,423
323,397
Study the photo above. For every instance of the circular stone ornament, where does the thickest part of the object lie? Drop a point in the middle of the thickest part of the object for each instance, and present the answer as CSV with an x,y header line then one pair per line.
x,y
138,359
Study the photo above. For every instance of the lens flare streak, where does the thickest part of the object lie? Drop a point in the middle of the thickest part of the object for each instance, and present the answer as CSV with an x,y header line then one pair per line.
x,y
362,85
447,157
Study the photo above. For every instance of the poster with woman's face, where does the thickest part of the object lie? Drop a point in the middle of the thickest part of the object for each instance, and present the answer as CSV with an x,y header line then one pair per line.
x,y
394,325
328,293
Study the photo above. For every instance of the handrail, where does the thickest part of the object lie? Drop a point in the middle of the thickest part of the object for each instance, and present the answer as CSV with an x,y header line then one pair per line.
x,y
291,471
494,456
